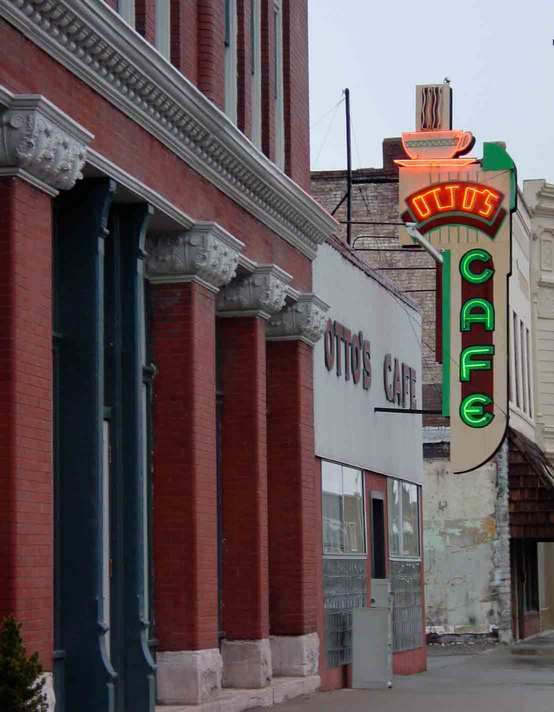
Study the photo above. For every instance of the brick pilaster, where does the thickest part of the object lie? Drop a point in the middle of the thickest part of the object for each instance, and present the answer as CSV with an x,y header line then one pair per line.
x,y
184,37
295,71
145,19
185,488
244,478
26,475
268,80
244,75
211,50
293,522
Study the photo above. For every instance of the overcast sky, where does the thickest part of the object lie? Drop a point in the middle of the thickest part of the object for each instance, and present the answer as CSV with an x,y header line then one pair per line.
x,y
497,53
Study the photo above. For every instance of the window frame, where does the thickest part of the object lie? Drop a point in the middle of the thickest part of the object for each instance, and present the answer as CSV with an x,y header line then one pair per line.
x,y
345,554
403,556
127,10
162,40
516,360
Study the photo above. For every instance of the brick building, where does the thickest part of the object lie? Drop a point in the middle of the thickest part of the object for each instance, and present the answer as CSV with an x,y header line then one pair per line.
x,y
488,534
156,424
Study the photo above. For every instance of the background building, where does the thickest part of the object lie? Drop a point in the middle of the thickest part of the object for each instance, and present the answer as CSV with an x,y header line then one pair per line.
x,y
485,566
370,463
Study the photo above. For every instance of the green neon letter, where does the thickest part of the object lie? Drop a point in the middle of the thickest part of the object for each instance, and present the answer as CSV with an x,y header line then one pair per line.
x,y
467,365
472,410
484,316
467,273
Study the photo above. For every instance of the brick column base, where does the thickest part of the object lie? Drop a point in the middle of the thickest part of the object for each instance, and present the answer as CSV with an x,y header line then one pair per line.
x,y
295,655
247,663
188,677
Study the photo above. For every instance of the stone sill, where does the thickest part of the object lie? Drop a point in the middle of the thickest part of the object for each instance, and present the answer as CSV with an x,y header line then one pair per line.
x,y
280,690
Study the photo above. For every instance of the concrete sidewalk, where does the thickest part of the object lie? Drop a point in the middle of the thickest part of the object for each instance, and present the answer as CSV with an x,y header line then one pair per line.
x,y
493,681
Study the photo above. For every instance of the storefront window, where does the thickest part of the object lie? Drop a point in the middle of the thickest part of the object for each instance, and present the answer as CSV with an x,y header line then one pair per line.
x,y
343,510
403,519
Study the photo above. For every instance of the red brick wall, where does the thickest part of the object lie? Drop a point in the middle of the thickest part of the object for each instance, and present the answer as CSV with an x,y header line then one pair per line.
x,y
26,485
111,3
140,154
268,80
297,114
409,662
531,624
185,488
244,479
294,528
244,76
211,50
184,37
145,19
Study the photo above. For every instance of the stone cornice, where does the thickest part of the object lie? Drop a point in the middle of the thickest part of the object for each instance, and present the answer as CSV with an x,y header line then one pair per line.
x,y
303,320
261,293
41,144
206,254
92,41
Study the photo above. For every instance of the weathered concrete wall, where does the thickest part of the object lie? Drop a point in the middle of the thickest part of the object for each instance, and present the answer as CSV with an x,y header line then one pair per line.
x,y
460,537
467,548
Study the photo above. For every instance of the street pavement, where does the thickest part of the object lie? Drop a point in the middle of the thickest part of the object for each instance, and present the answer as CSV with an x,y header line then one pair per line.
x,y
489,681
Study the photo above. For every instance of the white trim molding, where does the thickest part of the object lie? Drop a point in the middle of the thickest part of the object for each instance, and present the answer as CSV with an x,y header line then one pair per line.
x,y
98,46
40,143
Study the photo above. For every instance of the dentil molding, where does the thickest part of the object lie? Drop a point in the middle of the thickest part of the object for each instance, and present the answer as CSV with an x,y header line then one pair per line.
x,y
96,44
206,254
304,321
262,293
39,141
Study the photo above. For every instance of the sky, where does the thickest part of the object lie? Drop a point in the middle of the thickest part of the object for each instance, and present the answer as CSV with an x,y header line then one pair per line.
x,y
498,55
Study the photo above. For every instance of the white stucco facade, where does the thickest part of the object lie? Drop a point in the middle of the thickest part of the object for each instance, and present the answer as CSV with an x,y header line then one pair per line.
x,y
347,428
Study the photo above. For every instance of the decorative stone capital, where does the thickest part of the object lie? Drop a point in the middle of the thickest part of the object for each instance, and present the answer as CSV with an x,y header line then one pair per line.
x,y
304,320
39,141
261,293
206,254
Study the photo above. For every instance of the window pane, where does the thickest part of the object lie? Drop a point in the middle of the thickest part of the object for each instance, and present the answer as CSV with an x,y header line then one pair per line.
x,y
353,507
333,540
395,523
410,520
516,359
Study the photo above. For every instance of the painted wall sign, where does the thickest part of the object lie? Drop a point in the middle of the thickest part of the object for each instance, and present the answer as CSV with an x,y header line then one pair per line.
x,y
348,354
466,213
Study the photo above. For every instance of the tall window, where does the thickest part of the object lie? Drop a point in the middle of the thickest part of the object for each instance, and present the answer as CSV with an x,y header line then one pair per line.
x,y
163,28
529,381
231,59
278,82
343,510
524,390
256,71
126,9
403,519
516,359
